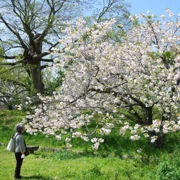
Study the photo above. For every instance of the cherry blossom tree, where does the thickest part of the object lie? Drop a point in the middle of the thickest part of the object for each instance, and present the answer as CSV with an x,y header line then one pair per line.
x,y
133,85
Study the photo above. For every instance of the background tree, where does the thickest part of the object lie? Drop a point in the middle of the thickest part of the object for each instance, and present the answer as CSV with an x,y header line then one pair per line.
x,y
31,28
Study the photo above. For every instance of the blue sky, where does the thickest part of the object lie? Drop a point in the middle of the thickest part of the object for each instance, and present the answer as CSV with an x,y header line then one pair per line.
x,y
154,6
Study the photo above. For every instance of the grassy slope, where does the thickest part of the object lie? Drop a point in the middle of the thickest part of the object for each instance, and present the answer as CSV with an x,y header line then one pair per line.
x,y
107,163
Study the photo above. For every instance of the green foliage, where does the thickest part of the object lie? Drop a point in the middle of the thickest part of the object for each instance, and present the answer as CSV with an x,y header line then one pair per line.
x,y
153,55
168,54
168,57
14,85
169,169
1,52
52,81
8,120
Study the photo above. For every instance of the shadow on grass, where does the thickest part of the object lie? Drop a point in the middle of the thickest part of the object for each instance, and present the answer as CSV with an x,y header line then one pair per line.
x,y
36,178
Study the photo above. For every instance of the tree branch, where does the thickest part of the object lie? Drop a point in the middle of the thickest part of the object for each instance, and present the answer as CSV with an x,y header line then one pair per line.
x,y
44,66
47,60
45,53
11,64
13,31
105,9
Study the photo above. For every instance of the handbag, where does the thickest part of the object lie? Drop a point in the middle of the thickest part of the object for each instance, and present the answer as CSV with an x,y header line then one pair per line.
x,y
26,152
11,144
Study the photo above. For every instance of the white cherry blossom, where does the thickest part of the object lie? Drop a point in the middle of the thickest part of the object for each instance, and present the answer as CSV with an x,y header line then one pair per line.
x,y
136,80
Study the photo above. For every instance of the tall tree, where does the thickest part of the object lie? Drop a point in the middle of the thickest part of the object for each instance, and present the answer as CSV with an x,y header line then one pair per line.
x,y
32,29
29,29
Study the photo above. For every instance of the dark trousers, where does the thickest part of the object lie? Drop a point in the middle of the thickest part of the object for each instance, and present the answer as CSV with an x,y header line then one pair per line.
x,y
19,161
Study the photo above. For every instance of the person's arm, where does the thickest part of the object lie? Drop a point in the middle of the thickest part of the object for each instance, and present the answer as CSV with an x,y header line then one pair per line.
x,y
22,144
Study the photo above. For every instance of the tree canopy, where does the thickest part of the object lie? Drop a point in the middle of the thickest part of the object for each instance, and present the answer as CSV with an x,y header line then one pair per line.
x,y
133,85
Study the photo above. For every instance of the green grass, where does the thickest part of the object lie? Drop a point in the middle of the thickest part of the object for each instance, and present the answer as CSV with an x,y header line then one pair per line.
x,y
36,166
116,159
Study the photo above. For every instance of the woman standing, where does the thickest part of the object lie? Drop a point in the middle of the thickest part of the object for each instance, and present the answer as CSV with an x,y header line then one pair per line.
x,y
20,148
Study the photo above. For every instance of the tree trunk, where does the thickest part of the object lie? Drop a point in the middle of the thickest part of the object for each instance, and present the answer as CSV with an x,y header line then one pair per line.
x,y
33,65
37,78
159,143
149,111
34,71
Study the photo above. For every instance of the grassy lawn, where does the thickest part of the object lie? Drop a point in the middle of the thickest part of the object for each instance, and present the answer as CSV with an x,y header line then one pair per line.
x,y
116,159
36,166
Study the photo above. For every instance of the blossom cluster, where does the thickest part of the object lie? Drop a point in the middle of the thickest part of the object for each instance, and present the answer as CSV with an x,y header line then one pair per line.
x,y
142,73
